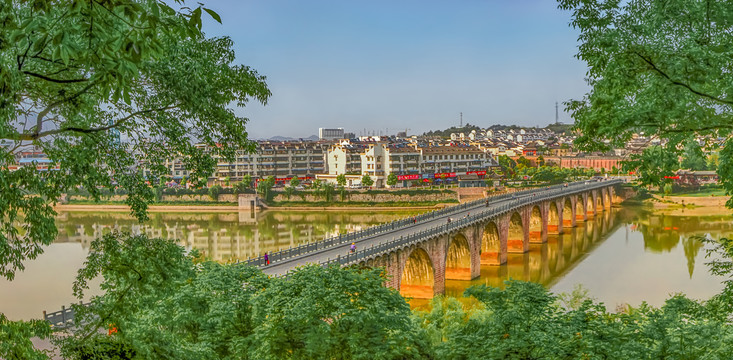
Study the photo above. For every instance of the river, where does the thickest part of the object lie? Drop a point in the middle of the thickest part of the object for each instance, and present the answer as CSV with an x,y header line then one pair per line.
x,y
626,255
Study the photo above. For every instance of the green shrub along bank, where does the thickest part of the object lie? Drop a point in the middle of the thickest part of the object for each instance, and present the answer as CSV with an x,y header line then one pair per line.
x,y
166,303
159,203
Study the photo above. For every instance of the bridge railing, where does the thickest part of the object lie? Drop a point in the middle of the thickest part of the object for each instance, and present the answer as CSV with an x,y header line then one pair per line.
x,y
417,237
61,319
357,236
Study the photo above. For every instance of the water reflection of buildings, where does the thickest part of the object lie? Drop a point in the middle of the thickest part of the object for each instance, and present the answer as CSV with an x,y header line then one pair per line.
x,y
222,236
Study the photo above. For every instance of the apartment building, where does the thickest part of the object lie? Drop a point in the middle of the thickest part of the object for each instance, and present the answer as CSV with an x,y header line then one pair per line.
x,y
410,161
344,158
283,160
454,159
381,159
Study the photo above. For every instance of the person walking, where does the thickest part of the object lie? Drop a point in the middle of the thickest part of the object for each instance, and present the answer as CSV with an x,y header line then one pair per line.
x,y
267,259
353,247
487,202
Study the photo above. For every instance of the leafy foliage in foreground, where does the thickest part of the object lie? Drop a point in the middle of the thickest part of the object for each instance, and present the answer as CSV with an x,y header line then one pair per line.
x,y
15,338
524,321
168,304
108,91
661,68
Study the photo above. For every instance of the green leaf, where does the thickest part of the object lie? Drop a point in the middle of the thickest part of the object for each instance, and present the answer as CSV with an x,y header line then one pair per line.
x,y
214,15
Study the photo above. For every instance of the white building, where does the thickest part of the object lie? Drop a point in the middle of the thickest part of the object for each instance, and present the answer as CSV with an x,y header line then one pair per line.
x,y
330,134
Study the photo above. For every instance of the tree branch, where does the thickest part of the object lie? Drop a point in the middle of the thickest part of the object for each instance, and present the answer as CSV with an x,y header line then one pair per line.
x,y
58,81
42,114
117,123
678,83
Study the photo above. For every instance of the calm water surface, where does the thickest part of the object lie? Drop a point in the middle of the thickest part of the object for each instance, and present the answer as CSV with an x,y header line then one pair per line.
x,y
622,256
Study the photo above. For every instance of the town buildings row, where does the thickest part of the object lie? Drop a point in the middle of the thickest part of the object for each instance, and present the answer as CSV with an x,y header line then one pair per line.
x,y
411,159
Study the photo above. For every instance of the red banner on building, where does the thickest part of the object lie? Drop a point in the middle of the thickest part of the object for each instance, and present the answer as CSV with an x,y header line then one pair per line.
x,y
442,175
409,177
477,172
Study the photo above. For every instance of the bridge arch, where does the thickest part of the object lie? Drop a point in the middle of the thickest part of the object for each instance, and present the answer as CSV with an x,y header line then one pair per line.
x,y
553,219
515,238
567,213
491,248
418,275
535,224
458,259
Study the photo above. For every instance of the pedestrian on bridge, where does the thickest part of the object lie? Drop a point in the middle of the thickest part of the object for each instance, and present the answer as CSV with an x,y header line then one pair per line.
x,y
267,259
353,247
487,202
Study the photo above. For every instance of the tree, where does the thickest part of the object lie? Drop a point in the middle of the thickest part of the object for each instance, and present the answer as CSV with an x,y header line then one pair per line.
x,y
264,186
109,91
335,313
341,180
197,308
541,160
294,182
241,187
206,310
289,191
214,192
247,180
653,164
15,338
693,158
316,184
367,181
328,190
667,189
507,165
392,179
524,162
660,68
713,160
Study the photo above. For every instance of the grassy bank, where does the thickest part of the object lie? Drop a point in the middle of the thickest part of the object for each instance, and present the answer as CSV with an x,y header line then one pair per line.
x,y
359,203
159,203
278,204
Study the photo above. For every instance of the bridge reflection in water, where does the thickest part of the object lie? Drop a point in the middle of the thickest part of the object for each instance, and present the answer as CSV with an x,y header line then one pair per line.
x,y
544,263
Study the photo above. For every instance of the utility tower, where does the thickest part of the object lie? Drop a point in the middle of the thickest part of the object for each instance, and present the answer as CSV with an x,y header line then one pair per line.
x,y
461,125
557,117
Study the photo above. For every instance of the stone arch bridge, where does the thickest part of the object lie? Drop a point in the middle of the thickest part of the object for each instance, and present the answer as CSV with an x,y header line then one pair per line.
x,y
420,258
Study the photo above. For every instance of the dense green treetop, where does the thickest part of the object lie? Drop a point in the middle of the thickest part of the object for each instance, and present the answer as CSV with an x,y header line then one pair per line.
x,y
367,180
693,157
105,89
658,68
392,179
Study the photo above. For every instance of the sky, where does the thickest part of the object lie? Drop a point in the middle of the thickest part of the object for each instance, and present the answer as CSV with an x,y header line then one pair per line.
x,y
386,66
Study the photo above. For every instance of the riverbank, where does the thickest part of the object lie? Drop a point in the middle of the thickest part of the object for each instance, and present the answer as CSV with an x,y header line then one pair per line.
x,y
231,208
687,204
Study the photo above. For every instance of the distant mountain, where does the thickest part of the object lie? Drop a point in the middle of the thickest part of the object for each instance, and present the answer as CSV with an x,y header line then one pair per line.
x,y
285,138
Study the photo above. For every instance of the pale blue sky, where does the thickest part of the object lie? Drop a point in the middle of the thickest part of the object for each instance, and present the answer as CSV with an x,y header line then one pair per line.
x,y
402,63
